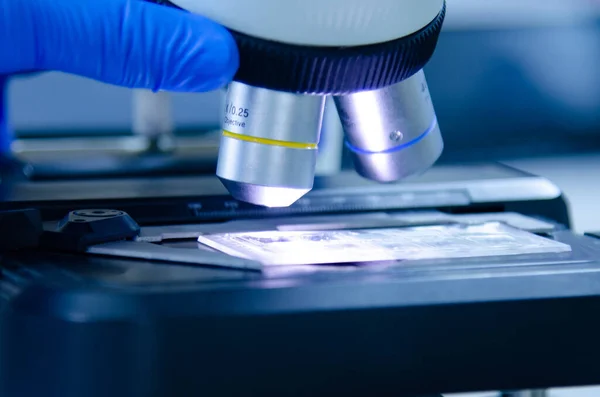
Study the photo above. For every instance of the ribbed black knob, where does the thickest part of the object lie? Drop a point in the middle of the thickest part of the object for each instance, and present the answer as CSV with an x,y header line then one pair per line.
x,y
333,70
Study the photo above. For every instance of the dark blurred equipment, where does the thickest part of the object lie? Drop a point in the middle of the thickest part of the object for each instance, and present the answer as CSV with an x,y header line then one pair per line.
x,y
20,229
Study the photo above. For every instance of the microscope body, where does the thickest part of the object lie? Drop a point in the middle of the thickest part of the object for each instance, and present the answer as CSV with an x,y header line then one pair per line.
x,y
367,55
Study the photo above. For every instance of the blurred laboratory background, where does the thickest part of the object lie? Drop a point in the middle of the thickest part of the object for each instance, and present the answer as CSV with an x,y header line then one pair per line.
x,y
512,80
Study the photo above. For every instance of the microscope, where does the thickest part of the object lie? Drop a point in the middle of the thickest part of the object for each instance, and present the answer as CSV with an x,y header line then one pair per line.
x,y
367,55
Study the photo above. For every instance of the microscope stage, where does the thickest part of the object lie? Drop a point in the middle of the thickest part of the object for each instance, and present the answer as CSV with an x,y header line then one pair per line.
x,y
435,285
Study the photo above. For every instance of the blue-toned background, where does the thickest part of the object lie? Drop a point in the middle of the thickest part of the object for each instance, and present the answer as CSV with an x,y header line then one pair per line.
x,y
507,75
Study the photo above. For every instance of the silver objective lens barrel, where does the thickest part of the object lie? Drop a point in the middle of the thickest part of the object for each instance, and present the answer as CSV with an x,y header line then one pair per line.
x,y
391,132
268,149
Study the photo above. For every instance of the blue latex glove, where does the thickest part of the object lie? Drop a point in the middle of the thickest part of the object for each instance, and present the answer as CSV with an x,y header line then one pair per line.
x,y
129,43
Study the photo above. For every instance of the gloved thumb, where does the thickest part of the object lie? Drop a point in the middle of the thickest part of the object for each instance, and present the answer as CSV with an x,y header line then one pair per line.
x,y
123,42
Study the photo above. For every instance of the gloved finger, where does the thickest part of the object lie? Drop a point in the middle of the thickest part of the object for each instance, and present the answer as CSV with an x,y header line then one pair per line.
x,y
124,42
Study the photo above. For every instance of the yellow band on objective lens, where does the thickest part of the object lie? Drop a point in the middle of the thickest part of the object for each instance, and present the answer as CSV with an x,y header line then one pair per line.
x,y
271,142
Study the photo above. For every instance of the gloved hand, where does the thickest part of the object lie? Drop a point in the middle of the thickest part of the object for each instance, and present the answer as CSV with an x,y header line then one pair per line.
x,y
129,43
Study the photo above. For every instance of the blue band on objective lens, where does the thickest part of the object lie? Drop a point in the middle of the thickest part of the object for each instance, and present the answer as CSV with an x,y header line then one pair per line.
x,y
396,148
